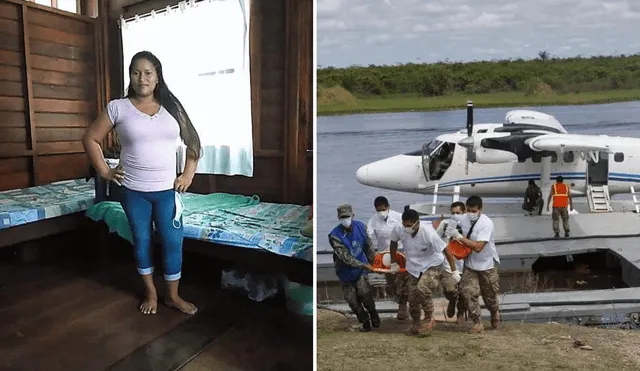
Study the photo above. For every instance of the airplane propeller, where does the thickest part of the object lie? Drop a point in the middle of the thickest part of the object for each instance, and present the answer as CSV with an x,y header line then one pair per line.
x,y
468,141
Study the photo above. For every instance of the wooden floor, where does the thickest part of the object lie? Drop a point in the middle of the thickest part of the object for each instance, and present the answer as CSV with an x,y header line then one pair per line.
x,y
65,313
264,340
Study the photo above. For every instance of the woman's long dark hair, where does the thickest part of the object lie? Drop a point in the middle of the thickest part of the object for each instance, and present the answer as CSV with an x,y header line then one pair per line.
x,y
169,101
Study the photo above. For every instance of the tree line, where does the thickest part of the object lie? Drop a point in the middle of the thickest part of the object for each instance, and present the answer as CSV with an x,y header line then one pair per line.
x,y
563,75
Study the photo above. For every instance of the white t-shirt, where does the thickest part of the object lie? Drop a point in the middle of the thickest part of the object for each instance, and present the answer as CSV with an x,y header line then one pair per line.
x,y
442,228
423,251
482,231
379,230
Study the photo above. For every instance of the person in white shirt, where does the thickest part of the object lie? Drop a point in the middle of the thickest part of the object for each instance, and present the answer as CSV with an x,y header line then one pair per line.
x,y
457,214
480,276
379,229
426,253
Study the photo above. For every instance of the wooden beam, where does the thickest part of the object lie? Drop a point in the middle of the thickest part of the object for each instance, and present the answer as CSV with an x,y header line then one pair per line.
x,y
98,68
298,115
290,92
255,60
90,8
29,95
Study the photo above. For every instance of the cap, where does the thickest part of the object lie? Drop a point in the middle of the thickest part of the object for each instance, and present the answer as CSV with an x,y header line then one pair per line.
x,y
345,211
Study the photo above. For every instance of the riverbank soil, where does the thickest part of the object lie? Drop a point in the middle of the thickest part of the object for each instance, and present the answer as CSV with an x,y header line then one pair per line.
x,y
338,101
515,346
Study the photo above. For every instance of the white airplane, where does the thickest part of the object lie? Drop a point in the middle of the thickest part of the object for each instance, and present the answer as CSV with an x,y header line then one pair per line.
x,y
497,160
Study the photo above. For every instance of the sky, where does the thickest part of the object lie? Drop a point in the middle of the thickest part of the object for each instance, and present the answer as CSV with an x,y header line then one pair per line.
x,y
364,32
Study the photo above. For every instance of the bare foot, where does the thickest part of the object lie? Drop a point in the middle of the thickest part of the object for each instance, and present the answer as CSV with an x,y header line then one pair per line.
x,y
181,305
149,304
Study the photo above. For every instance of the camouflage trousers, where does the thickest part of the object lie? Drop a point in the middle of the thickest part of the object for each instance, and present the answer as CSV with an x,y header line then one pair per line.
x,y
359,296
399,282
451,286
480,283
421,291
560,213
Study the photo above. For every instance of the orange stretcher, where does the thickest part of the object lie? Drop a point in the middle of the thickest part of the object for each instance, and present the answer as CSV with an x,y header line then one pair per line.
x,y
456,248
379,260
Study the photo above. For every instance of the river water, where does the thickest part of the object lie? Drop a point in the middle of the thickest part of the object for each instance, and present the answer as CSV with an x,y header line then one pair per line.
x,y
347,142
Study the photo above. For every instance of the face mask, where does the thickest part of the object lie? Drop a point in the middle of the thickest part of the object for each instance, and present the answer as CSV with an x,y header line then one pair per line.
x,y
456,217
346,222
383,214
410,229
473,216
179,210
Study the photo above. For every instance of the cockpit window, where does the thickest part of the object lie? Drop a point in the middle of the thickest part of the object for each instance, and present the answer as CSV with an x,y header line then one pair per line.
x,y
433,145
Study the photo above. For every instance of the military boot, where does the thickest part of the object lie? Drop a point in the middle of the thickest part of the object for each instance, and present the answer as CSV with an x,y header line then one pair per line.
x,y
495,319
477,327
426,327
403,312
414,329
462,318
451,308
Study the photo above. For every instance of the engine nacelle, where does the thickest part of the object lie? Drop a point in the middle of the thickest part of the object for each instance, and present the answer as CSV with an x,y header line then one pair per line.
x,y
493,156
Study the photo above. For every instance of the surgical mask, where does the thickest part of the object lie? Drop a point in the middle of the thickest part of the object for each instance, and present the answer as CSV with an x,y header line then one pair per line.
x,y
346,222
179,210
456,217
383,214
473,216
410,229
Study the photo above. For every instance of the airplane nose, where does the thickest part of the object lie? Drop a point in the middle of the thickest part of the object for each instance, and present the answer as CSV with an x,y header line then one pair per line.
x,y
362,175
400,173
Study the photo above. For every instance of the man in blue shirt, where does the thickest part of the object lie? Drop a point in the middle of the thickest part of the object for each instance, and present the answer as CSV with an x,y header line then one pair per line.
x,y
353,255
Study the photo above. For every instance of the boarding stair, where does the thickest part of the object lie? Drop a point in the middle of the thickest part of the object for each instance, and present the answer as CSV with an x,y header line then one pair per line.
x,y
636,204
599,199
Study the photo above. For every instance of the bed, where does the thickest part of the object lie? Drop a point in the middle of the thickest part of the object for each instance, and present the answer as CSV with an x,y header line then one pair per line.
x,y
32,213
242,229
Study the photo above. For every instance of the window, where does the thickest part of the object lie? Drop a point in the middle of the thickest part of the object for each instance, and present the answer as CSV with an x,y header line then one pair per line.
x,y
567,157
66,5
206,65
554,158
618,157
536,158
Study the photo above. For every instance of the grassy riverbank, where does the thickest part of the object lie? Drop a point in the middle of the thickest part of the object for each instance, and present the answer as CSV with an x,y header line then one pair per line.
x,y
338,101
515,346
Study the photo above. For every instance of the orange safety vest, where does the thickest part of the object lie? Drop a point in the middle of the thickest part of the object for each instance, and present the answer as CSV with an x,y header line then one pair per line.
x,y
560,195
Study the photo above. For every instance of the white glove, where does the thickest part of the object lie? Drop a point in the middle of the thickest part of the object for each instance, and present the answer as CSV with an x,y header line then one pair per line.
x,y
453,233
394,268
456,276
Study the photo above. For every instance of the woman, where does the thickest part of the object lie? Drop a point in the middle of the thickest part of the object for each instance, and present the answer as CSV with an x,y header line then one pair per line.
x,y
149,121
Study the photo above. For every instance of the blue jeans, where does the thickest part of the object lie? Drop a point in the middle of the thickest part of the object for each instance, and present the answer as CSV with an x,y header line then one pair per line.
x,y
143,208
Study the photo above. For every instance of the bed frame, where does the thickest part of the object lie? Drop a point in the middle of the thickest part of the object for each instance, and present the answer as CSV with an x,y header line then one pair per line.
x,y
255,260
42,228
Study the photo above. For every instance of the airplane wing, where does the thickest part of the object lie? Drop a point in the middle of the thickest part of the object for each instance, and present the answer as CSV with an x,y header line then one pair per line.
x,y
567,142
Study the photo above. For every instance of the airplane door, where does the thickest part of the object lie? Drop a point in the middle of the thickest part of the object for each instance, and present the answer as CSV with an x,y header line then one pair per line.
x,y
425,161
598,172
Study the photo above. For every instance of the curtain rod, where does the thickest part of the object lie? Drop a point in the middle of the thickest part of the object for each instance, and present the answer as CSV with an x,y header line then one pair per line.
x,y
162,10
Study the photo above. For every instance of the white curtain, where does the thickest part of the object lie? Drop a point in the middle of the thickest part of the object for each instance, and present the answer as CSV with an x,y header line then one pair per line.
x,y
204,51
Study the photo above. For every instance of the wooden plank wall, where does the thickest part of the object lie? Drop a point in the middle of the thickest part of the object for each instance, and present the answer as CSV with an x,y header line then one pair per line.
x,y
281,47
48,93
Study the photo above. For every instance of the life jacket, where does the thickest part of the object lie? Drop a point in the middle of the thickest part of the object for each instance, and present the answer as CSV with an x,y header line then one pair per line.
x,y
401,260
560,195
355,242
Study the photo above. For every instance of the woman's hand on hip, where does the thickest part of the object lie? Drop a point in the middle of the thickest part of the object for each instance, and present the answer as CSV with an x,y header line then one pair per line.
x,y
114,175
182,183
